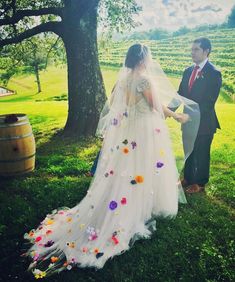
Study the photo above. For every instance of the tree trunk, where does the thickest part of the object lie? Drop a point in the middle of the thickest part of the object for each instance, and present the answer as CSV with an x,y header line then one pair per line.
x,y
86,94
36,71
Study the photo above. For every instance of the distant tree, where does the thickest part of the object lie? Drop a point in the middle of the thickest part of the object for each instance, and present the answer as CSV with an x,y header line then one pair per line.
x,y
181,31
231,18
31,55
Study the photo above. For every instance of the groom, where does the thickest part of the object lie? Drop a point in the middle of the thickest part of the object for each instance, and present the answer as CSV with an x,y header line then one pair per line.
x,y
201,83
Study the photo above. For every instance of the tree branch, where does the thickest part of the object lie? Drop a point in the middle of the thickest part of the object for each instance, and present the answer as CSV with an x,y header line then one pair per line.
x,y
45,27
20,14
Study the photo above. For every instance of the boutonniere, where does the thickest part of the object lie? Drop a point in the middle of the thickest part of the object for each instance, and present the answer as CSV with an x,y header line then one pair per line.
x,y
200,74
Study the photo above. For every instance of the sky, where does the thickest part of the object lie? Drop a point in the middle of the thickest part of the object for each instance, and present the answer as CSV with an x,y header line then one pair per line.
x,y
173,14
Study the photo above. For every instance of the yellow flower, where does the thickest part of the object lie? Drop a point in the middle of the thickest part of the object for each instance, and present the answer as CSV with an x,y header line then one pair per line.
x,y
69,219
49,222
43,274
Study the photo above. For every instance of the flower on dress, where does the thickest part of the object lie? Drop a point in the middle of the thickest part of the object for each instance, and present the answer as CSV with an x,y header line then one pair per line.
x,y
158,130
125,142
139,179
49,244
49,222
48,232
84,249
38,274
92,233
125,114
36,257
111,172
96,250
106,174
114,121
98,255
31,233
133,182
159,164
125,150
71,244
123,201
38,239
54,259
115,240
133,144
113,205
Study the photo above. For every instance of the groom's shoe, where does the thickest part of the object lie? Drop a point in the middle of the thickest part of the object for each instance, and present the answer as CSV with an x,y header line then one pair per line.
x,y
184,183
195,188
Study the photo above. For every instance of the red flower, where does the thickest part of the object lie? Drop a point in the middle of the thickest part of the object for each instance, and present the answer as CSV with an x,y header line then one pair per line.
x,y
123,201
39,238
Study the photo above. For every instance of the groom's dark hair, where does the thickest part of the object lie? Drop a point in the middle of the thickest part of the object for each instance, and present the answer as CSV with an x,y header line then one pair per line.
x,y
204,42
135,54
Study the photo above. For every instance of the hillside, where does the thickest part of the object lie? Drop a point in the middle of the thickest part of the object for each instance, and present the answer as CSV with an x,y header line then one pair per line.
x,y
174,54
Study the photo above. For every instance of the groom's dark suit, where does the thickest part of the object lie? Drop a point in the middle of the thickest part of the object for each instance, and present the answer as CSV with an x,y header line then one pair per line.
x,y
204,91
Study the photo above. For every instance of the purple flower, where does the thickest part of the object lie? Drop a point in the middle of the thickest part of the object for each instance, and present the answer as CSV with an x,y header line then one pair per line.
x,y
49,244
159,164
125,114
113,205
115,121
133,144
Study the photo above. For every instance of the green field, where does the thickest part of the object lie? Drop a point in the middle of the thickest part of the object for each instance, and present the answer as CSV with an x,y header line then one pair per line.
x,y
197,246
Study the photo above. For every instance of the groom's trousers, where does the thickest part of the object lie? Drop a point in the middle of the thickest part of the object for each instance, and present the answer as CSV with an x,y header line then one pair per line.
x,y
197,165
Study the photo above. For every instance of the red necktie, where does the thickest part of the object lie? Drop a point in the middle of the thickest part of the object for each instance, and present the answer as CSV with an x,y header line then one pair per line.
x,y
192,78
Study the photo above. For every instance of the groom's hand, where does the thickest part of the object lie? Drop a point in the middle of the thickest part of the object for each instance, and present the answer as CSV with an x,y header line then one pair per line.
x,y
182,118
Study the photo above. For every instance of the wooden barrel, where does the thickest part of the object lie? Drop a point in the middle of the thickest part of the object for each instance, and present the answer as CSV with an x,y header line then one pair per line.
x,y
17,145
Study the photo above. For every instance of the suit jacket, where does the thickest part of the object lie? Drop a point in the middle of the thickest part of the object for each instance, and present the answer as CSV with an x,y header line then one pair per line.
x,y
205,92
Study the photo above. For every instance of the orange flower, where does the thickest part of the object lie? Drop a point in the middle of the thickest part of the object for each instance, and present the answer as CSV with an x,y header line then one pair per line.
x,y
54,259
96,251
31,234
125,150
139,179
48,232
65,264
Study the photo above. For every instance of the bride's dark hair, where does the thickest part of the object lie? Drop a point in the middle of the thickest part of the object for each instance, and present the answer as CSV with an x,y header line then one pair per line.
x,y
135,54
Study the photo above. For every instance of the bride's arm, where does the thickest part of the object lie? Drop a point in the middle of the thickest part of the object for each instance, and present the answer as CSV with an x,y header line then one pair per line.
x,y
182,118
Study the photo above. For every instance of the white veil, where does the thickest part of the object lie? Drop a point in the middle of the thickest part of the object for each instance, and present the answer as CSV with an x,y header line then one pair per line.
x,y
163,93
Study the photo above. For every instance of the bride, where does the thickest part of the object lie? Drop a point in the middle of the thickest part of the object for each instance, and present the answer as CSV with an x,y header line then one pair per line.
x,y
136,178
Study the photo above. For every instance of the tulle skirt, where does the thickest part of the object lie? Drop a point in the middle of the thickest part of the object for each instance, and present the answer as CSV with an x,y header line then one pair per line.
x,y
136,181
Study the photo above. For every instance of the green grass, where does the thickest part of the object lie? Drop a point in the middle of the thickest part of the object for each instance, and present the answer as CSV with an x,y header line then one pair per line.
x,y
197,246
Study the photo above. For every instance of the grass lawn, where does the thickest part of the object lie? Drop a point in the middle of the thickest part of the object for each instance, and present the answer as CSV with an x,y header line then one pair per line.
x,y
197,246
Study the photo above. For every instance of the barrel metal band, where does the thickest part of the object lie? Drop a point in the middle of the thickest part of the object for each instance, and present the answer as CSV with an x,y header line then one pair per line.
x,y
15,137
17,160
6,125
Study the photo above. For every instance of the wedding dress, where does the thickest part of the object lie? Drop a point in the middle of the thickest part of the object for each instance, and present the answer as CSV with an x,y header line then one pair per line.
x,y
136,181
